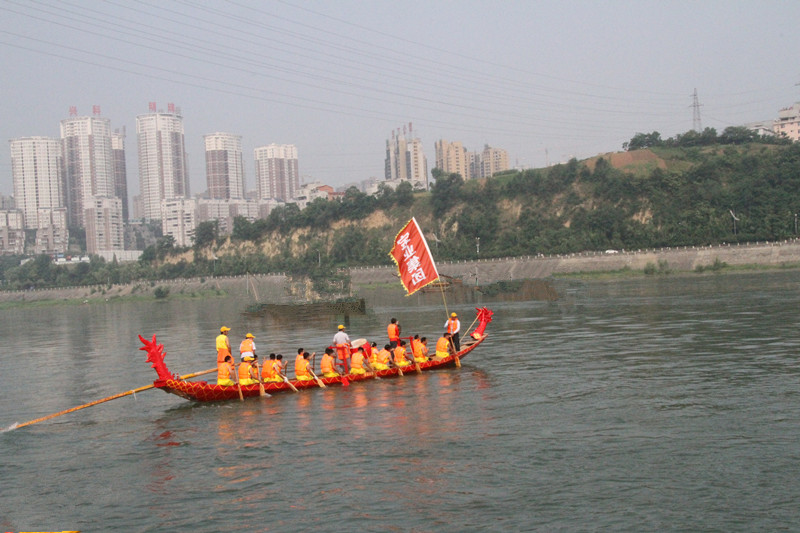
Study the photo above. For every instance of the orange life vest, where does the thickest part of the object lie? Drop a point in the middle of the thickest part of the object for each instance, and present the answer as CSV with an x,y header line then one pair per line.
x,y
452,325
400,356
442,347
394,332
222,347
244,371
268,372
357,361
224,371
326,365
247,346
383,356
301,368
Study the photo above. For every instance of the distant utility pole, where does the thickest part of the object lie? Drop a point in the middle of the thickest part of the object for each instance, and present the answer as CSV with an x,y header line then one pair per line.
x,y
696,125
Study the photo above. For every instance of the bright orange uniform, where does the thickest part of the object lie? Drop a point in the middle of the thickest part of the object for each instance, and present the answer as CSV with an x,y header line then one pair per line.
x,y
357,363
245,377
400,356
224,371
442,346
223,347
419,350
393,330
301,367
327,366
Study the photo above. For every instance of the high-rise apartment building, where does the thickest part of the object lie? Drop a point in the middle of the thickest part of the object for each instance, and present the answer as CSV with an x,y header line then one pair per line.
x,y
120,170
224,166
105,229
405,158
88,162
277,174
493,160
451,158
36,170
163,174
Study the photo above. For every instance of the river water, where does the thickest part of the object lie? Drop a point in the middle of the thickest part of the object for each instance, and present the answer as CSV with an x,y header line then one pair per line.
x,y
639,405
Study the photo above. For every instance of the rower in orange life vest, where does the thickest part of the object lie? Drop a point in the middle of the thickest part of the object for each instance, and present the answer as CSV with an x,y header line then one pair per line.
x,y
453,326
358,362
223,345
248,375
381,359
444,347
225,373
342,343
328,364
302,366
419,348
400,359
271,371
393,330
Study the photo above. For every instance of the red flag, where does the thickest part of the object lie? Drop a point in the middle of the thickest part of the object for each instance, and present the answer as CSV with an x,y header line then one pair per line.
x,y
413,258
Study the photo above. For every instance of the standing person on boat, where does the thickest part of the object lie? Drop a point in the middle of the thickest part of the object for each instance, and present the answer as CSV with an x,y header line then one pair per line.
x,y
400,359
223,344
342,343
302,367
328,364
453,326
248,346
444,347
226,373
393,330
271,371
248,375
419,348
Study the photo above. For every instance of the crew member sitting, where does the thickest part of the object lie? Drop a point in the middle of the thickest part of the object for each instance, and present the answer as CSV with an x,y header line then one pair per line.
x,y
382,358
248,375
419,347
271,373
444,348
327,365
400,359
357,362
225,372
302,367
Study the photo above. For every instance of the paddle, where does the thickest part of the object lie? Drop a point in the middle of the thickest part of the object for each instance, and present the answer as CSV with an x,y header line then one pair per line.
x,y
319,381
261,391
114,397
286,380
455,354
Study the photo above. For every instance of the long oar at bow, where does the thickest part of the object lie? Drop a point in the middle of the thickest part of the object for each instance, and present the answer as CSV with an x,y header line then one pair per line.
x,y
114,397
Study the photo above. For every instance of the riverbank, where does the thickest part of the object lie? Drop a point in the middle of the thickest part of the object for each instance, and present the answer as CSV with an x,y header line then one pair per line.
x,y
278,288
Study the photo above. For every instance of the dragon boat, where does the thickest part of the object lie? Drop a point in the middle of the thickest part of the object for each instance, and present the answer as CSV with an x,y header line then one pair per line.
x,y
203,391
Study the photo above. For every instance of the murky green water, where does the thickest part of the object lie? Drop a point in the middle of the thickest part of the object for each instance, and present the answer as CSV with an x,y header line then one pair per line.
x,y
670,404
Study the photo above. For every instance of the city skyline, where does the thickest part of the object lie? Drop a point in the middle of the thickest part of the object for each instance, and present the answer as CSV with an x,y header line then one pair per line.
x,y
544,81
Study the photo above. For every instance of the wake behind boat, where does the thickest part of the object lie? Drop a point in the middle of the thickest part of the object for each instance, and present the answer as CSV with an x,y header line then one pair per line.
x,y
202,391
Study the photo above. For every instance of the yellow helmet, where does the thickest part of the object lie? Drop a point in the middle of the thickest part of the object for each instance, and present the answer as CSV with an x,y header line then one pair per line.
x,y
341,326
250,336
453,315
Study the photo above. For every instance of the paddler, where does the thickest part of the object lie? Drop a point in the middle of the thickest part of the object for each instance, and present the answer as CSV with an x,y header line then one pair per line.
x,y
223,344
302,367
419,347
358,362
271,371
382,358
393,330
248,375
226,371
453,326
444,347
248,346
342,343
400,359
328,364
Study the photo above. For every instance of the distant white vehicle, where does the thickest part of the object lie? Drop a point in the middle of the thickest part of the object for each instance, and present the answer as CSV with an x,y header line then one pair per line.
x,y
612,251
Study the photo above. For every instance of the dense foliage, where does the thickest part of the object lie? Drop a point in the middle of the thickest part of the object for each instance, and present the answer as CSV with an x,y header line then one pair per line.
x,y
699,188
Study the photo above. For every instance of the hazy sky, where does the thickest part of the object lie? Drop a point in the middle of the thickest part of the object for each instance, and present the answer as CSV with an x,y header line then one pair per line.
x,y
544,80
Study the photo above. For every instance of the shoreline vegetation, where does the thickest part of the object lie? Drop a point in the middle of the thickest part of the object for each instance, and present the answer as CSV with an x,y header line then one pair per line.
x,y
490,276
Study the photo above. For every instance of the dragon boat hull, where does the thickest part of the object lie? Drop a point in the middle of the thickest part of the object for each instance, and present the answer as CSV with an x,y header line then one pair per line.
x,y
202,391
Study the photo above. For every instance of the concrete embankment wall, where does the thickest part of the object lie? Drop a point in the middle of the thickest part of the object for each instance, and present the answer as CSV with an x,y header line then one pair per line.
x,y
537,267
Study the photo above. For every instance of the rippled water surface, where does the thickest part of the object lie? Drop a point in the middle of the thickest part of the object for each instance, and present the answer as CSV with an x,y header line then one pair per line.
x,y
659,404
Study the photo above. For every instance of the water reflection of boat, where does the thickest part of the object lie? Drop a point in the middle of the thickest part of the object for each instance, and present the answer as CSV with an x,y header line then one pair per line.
x,y
202,391
343,306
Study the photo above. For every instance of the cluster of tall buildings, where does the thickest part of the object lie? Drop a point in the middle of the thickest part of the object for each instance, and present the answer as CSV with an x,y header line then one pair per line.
x,y
80,181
